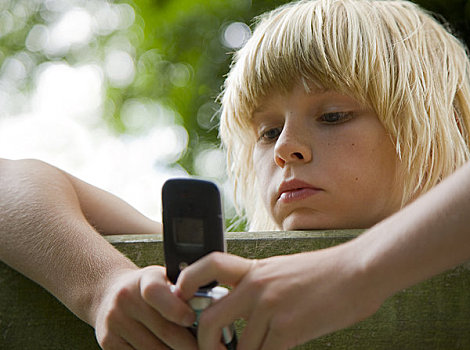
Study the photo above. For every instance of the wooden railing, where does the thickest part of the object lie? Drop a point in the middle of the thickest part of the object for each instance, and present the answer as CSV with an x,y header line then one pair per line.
x,y
432,315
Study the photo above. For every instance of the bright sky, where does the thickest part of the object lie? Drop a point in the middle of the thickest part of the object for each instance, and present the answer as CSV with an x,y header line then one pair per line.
x,y
64,128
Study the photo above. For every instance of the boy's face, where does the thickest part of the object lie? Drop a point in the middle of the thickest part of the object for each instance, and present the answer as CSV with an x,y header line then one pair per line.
x,y
323,160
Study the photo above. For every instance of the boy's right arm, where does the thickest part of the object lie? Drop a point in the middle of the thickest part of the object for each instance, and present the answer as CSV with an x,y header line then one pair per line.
x,y
45,234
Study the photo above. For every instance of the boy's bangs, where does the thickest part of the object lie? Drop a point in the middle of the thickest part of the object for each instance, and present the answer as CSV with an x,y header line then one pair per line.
x,y
304,45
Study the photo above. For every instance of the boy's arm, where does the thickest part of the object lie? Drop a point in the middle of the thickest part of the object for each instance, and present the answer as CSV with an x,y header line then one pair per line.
x,y
108,213
429,236
46,235
288,300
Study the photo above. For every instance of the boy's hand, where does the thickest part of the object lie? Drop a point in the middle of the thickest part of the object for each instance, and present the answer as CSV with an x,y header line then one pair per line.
x,y
138,311
286,300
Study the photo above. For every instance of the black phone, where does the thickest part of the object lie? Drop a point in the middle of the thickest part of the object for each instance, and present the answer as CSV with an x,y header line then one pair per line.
x,y
193,223
193,226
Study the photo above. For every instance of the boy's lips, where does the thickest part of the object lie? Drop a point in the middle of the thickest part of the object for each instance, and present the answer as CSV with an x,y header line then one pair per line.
x,y
294,190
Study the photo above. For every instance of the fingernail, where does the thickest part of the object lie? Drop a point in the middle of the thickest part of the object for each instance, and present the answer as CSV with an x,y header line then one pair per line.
x,y
176,291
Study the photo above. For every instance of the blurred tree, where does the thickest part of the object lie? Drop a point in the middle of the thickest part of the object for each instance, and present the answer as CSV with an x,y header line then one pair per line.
x,y
187,57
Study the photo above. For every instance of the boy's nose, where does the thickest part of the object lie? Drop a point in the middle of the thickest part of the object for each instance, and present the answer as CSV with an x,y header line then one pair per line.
x,y
291,149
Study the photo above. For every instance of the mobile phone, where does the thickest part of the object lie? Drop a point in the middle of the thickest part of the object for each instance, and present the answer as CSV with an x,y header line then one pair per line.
x,y
193,227
192,223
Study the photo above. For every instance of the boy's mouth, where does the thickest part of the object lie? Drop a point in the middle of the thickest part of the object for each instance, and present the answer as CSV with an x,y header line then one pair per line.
x,y
294,190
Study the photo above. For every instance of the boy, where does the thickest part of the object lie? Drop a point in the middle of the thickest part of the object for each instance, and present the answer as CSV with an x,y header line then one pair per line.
x,y
335,114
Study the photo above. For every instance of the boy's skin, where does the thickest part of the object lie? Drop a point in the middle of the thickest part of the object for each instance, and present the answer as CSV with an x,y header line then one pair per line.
x,y
50,231
323,160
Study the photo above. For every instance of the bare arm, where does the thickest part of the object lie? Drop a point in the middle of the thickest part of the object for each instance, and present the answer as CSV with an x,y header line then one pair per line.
x,y
43,227
428,237
108,213
333,288
45,233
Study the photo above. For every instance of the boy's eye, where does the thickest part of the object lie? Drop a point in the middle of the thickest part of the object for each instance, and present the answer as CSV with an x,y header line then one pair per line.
x,y
270,134
335,117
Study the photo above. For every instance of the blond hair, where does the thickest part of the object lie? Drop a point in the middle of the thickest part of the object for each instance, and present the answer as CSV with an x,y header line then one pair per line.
x,y
390,55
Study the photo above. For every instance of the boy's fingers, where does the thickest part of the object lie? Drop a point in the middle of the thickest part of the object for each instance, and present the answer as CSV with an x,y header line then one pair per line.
x,y
139,337
273,341
156,292
255,331
222,267
170,333
219,315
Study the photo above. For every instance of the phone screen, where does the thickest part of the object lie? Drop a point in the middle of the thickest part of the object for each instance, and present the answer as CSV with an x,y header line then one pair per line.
x,y
188,231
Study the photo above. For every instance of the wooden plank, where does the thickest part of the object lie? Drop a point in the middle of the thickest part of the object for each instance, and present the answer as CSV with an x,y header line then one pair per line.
x,y
432,315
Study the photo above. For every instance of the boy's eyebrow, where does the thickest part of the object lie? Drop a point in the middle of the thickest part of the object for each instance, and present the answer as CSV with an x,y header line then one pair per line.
x,y
319,93
259,112
259,109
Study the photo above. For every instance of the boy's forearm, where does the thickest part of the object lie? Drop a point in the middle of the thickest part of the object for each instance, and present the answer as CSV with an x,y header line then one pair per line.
x,y
428,237
44,235
108,213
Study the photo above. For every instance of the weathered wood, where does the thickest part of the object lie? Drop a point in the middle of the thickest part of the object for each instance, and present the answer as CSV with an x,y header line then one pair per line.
x,y
432,315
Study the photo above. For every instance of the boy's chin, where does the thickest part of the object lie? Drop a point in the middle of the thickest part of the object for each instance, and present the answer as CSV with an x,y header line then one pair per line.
x,y
314,221
298,222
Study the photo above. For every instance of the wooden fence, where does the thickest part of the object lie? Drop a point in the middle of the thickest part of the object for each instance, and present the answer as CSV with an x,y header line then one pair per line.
x,y
432,315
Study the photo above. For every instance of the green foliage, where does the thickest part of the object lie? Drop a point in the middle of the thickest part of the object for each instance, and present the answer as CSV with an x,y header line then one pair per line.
x,y
185,60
